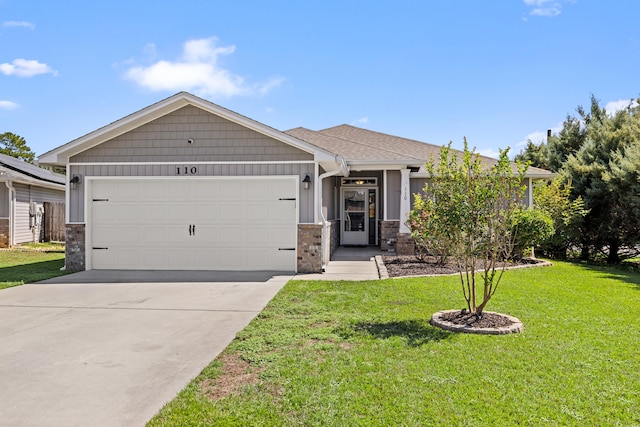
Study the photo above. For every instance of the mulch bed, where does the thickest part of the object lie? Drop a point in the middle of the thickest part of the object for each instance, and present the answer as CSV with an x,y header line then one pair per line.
x,y
409,265
487,320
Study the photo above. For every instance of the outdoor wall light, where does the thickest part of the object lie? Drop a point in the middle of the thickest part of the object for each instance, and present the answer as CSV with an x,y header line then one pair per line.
x,y
306,181
74,182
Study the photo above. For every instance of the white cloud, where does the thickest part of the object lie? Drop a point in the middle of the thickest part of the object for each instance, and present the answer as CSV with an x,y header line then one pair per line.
x,y
19,24
26,68
489,152
360,121
613,107
8,105
538,136
196,70
546,8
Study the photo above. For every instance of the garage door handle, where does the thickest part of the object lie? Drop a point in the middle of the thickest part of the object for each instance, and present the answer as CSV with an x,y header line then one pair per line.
x,y
101,248
100,200
287,198
286,249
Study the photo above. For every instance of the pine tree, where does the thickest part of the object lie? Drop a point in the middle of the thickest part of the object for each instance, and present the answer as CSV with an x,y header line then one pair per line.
x,y
16,146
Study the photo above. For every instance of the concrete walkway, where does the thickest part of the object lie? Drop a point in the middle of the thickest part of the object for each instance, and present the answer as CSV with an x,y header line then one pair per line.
x,y
80,350
349,263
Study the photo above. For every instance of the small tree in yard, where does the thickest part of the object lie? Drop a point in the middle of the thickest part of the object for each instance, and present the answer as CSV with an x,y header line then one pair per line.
x,y
466,212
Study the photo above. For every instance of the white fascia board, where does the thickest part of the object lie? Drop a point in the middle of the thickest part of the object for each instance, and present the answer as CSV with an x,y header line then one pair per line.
x,y
20,179
527,175
383,164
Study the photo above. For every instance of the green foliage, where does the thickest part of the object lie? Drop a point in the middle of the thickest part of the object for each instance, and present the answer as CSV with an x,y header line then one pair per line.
x,y
554,198
16,146
598,153
605,173
533,154
530,227
465,211
363,354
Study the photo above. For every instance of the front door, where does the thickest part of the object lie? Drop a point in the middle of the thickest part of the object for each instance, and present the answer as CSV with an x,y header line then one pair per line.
x,y
359,216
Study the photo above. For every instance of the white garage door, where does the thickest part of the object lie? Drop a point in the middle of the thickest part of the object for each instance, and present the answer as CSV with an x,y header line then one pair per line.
x,y
193,224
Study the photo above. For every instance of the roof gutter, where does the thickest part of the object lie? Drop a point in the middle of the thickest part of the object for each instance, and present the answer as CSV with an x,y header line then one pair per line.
x,y
342,169
12,204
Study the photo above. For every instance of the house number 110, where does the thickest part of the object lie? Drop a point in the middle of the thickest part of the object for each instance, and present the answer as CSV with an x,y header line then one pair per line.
x,y
186,170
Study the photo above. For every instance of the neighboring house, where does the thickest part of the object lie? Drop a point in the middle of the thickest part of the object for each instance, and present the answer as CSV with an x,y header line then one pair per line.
x,y
186,184
23,190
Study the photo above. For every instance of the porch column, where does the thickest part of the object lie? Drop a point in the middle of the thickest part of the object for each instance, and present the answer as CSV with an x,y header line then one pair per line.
x,y
405,200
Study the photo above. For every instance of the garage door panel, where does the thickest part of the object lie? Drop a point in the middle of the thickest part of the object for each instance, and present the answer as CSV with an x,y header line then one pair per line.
x,y
128,258
103,235
155,212
104,258
282,236
178,190
231,213
231,236
258,236
232,190
127,212
205,212
282,212
103,212
128,235
239,224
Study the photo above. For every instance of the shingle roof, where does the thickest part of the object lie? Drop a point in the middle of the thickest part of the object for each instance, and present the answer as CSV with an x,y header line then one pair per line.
x,y
355,144
27,169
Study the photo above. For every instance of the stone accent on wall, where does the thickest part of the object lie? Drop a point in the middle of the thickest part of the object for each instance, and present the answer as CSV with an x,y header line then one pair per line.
x,y
309,248
75,247
334,240
405,245
4,233
388,233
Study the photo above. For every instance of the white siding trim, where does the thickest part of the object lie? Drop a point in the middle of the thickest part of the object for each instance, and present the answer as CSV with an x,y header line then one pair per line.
x,y
384,190
405,200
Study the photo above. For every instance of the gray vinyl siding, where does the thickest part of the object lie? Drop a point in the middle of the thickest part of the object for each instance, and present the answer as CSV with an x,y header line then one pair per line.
x,y
21,228
393,195
214,139
4,200
76,206
25,194
329,197
416,186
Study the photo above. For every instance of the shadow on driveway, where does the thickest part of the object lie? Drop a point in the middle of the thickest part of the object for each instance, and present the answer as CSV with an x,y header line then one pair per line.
x,y
164,276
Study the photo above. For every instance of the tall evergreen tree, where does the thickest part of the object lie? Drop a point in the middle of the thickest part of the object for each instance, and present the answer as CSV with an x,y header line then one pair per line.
x,y
604,171
16,146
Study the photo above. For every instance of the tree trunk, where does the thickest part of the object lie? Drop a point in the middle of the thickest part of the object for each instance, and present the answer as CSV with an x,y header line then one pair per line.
x,y
614,257
584,253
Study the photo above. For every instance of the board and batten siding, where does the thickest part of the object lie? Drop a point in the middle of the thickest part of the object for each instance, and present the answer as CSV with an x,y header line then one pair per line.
x,y
394,192
4,200
76,197
25,194
213,139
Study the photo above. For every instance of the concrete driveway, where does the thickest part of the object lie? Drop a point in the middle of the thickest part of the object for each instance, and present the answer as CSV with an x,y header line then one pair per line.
x,y
81,350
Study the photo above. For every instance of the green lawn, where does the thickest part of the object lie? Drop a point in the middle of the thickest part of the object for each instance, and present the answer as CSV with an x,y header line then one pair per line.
x,y
363,353
20,267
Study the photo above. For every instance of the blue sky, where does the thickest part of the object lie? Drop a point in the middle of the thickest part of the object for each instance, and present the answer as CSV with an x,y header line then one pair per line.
x,y
495,71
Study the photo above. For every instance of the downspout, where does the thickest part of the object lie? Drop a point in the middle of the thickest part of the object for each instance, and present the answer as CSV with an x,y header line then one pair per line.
x,y
12,213
345,172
